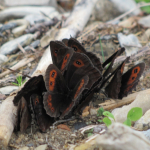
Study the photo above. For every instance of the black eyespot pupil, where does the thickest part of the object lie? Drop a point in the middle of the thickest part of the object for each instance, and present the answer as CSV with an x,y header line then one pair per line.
x,y
51,83
135,71
65,57
133,78
56,51
75,49
77,62
53,74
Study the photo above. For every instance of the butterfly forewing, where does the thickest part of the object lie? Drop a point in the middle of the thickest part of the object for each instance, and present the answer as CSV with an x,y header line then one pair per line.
x,y
54,80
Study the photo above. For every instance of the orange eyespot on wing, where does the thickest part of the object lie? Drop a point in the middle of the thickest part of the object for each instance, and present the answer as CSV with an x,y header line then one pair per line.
x,y
78,63
65,60
49,102
52,78
134,75
76,49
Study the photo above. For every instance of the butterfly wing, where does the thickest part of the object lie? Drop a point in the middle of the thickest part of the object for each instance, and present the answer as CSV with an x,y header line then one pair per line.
x,y
34,85
54,80
130,79
79,66
75,95
56,97
54,48
111,60
113,88
43,120
23,116
63,58
77,46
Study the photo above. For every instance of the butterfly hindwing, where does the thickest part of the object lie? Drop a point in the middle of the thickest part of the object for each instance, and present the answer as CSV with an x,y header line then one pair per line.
x,y
34,85
130,79
43,120
113,88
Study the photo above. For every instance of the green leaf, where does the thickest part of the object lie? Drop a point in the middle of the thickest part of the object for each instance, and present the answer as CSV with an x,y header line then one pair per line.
x,y
128,122
107,121
89,131
108,114
99,120
15,83
23,81
89,134
135,114
100,111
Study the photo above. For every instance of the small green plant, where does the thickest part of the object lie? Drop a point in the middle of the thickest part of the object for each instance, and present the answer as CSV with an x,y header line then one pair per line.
x,y
106,120
19,80
89,132
100,112
133,115
145,8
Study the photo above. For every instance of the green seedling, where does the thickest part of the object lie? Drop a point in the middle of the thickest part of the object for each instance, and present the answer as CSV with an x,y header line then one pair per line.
x,y
108,114
99,120
19,80
89,132
133,115
107,121
144,8
100,112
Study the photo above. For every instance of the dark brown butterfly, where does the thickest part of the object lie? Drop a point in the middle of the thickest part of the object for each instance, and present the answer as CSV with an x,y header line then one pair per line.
x,y
66,91
121,84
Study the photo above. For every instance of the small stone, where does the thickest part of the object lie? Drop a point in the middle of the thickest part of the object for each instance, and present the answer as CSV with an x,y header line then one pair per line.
x,y
3,58
145,21
21,137
40,141
8,89
128,42
79,125
93,111
24,148
99,128
2,96
85,111
30,144
143,122
41,147
63,126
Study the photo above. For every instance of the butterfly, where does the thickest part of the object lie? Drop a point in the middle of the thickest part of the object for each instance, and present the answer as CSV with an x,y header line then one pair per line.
x,y
70,82
30,96
65,90
121,84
